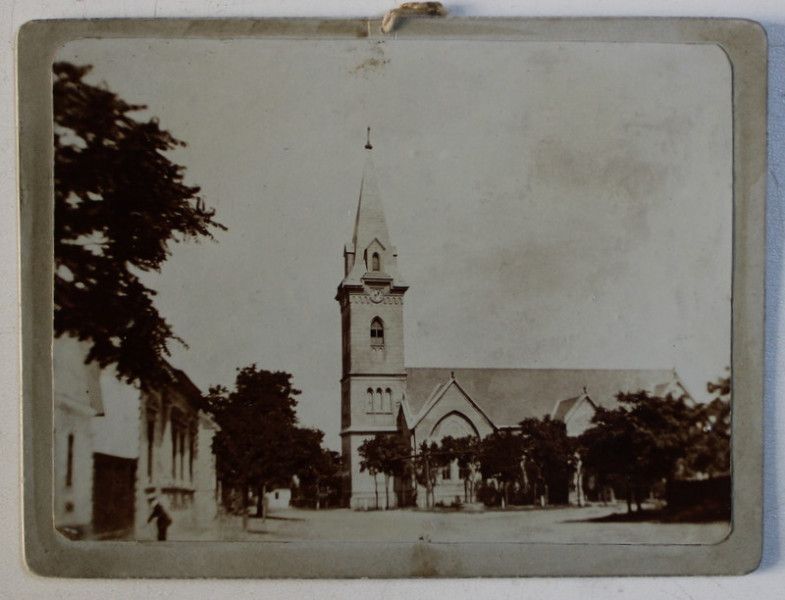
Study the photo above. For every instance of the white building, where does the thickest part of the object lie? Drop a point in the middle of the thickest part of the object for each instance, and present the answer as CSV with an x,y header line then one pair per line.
x,y
114,444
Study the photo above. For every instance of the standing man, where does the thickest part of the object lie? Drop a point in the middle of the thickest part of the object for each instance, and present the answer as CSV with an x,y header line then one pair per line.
x,y
162,518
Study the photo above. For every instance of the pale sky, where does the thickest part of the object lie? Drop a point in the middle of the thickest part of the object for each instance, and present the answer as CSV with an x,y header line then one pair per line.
x,y
553,205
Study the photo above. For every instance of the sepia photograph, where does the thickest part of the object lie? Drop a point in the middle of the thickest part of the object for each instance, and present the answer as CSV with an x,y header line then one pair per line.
x,y
392,290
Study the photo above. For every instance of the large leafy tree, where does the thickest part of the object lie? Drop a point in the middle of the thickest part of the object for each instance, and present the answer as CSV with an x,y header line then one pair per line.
x,y
501,454
321,478
549,456
387,454
119,205
427,462
318,470
466,452
709,451
640,442
259,444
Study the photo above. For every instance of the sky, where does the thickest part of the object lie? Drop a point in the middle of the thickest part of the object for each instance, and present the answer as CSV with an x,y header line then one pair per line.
x,y
553,205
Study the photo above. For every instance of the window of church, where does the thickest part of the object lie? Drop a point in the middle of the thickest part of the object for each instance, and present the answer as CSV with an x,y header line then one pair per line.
x,y
377,404
387,406
375,266
69,464
182,454
369,400
377,332
191,450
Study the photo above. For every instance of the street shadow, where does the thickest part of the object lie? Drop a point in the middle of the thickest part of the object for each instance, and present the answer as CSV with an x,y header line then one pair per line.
x,y
276,518
694,515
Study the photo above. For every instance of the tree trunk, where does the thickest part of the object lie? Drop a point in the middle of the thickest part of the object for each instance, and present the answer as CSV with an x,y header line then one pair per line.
x,y
376,490
427,482
259,501
264,502
386,491
244,492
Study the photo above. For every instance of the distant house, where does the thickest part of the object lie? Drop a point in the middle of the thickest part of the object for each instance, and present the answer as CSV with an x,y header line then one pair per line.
x,y
114,445
278,499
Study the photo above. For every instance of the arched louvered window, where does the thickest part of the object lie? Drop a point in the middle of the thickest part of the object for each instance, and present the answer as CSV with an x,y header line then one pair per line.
x,y
369,400
375,265
377,405
377,332
387,406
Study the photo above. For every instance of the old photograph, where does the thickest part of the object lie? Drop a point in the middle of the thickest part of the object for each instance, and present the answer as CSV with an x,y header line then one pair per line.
x,y
392,291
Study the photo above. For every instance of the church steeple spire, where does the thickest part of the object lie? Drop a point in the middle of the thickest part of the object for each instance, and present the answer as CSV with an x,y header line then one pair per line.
x,y
370,249
370,223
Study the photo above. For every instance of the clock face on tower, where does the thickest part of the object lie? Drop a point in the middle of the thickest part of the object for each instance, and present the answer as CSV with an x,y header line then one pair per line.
x,y
376,294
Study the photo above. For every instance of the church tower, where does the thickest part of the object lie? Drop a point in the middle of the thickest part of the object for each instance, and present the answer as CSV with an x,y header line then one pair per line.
x,y
371,298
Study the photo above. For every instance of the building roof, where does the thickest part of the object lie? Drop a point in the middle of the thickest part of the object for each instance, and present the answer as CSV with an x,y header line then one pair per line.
x,y
370,223
564,407
508,396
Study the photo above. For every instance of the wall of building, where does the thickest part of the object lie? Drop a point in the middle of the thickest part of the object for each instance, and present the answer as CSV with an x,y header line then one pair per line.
x,y
77,399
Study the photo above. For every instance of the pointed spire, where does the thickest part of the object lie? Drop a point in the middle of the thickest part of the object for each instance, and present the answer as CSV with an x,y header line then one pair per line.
x,y
370,252
370,223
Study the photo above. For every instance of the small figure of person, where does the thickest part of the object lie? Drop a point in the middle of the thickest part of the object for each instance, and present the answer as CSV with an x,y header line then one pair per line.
x,y
162,518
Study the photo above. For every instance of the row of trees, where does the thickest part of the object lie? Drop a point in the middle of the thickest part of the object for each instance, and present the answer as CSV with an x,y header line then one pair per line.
x,y
643,442
259,445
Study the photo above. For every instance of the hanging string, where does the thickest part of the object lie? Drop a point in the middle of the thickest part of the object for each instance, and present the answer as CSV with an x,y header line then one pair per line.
x,y
412,9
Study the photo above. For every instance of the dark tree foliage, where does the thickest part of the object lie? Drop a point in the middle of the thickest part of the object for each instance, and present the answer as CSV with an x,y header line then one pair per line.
x,y
501,454
549,456
119,204
709,451
641,442
321,478
258,445
466,452
387,454
427,462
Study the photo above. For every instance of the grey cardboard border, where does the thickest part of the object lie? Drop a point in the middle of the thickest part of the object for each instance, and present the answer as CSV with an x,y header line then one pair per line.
x,y
49,554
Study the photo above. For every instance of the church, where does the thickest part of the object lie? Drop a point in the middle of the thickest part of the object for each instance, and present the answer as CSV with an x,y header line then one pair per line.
x,y
380,394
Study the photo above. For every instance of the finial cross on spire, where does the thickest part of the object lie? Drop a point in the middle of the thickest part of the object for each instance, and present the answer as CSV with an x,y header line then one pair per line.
x,y
368,141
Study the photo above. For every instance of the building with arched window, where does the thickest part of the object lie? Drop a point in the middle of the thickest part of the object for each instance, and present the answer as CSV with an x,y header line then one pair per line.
x,y
379,394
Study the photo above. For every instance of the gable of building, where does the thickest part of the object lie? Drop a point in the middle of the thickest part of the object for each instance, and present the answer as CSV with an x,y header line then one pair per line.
x,y
450,411
507,396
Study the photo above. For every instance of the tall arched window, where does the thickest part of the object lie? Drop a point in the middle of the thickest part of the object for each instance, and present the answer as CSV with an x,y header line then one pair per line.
x,y
387,406
369,400
377,332
69,462
375,266
377,404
